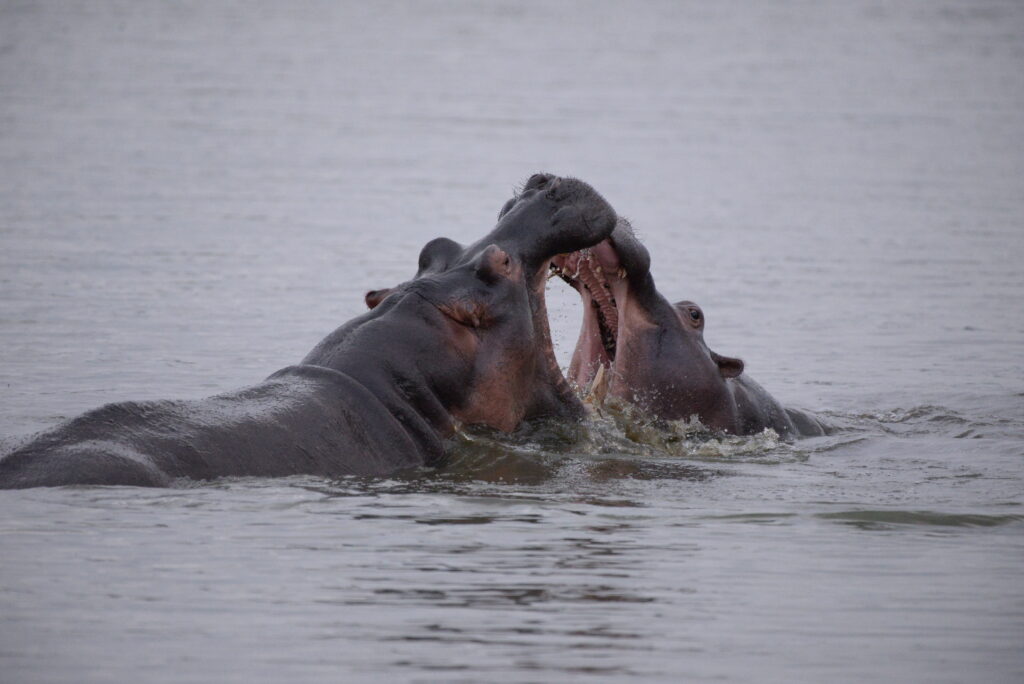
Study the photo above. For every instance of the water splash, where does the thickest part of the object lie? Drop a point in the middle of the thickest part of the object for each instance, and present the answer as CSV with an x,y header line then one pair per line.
x,y
616,440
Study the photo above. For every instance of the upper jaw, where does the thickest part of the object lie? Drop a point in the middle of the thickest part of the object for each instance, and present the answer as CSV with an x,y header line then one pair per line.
x,y
552,215
599,276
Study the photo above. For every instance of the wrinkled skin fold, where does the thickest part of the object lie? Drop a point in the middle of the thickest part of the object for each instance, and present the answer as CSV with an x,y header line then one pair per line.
x,y
465,341
636,346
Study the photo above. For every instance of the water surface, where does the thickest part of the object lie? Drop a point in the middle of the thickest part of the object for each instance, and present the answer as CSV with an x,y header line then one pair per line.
x,y
193,194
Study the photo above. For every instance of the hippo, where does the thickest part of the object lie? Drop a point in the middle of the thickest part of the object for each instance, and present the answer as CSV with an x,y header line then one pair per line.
x,y
636,346
442,253
456,345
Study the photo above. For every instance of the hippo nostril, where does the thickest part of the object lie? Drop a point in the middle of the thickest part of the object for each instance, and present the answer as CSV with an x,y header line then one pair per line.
x,y
553,192
537,180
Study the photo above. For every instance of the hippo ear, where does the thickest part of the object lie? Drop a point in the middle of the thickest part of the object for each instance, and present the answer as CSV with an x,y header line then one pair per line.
x,y
375,297
438,255
727,366
508,205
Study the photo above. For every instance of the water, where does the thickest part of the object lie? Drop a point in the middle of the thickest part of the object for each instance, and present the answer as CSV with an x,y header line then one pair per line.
x,y
192,195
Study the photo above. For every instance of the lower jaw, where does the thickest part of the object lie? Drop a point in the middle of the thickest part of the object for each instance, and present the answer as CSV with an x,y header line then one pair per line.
x,y
568,402
590,359
583,373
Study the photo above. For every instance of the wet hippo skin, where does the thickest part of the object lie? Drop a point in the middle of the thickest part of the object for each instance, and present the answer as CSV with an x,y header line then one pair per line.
x,y
458,344
637,346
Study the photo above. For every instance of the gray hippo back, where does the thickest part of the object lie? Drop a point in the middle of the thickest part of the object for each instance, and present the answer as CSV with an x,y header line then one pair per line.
x,y
381,393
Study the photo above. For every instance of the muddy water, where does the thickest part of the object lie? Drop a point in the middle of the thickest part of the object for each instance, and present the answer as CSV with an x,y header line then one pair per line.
x,y
192,195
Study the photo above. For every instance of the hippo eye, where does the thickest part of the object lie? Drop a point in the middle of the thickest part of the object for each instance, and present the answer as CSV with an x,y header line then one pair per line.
x,y
695,315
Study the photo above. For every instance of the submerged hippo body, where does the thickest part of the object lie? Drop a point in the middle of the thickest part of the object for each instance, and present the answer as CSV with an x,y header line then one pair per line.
x,y
641,348
302,419
378,394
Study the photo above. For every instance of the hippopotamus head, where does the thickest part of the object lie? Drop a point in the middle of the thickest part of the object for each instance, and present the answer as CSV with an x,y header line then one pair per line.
x,y
495,340
635,343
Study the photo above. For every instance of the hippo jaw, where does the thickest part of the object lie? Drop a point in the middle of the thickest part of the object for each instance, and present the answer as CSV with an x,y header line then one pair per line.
x,y
613,281
596,274
636,346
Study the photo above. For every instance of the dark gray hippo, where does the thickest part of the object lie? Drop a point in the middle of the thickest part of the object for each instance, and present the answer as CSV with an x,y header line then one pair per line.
x,y
636,346
464,343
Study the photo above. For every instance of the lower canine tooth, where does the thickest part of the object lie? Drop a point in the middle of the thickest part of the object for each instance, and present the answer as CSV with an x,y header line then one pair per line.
x,y
622,273
598,389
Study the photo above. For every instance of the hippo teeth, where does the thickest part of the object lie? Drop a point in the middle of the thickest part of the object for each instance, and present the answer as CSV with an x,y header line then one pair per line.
x,y
583,256
594,280
598,389
584,268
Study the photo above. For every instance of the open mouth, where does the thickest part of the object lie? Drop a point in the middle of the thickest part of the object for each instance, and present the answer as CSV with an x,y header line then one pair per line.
x,y
599,277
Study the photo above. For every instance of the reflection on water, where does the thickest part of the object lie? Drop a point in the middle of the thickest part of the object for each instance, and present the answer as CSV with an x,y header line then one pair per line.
x,y
192,194
876,520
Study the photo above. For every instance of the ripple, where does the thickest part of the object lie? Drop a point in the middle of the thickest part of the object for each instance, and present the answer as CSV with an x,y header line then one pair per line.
x,y
881,519
520,594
